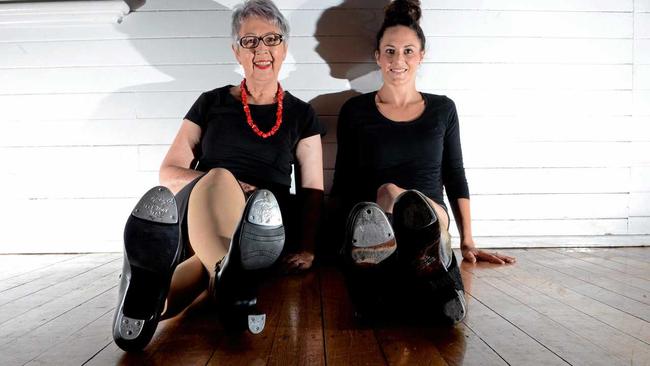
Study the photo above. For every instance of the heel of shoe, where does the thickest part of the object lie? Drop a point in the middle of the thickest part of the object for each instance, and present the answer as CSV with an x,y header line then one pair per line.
x,y
243,315
418,231
262,232
370,235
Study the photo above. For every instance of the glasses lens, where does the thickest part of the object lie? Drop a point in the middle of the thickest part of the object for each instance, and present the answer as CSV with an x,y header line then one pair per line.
x,y
248,41
272,39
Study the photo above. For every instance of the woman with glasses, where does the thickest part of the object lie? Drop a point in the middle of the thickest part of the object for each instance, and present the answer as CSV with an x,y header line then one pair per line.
x,y
397,148
218,221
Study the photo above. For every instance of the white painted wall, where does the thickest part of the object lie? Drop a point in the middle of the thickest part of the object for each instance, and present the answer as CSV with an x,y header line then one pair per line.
x,y
553,96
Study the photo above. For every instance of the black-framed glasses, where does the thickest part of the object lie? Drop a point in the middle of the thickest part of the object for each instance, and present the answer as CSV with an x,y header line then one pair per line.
x,y
269,39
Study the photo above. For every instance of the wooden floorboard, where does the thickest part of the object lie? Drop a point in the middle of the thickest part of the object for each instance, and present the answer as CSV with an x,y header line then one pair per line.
x,y
563,306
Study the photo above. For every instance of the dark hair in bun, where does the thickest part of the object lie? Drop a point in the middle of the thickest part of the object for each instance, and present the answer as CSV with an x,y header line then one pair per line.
x,y
402,12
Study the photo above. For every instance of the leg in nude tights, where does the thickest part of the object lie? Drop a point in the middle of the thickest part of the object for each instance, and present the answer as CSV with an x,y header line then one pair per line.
x,y
215,208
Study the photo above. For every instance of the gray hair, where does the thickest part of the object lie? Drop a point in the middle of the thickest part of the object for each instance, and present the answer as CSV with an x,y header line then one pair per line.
x,y
264,9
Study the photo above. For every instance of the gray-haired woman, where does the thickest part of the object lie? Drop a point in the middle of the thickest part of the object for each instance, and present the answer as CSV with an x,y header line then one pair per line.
x,y
216,221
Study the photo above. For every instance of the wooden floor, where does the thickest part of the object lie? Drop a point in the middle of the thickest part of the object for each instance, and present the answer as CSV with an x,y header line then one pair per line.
x,y
554,307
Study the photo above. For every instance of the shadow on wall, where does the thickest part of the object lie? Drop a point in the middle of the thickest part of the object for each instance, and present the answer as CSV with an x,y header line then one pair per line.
x,y
174,57
184,53
346,41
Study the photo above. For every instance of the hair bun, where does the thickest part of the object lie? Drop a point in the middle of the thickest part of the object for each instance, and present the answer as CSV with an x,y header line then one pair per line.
x,y
401,9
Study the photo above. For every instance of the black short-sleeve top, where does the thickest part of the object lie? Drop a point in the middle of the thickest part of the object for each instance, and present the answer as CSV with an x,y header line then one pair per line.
x,y
227,141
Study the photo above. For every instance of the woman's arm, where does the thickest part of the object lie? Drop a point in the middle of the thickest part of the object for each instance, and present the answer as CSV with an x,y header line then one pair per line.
x,y
175,170
463,218
453,176
309,153
310,158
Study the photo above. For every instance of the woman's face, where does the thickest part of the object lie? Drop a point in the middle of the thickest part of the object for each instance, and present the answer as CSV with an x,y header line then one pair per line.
x,y
263,62
399,55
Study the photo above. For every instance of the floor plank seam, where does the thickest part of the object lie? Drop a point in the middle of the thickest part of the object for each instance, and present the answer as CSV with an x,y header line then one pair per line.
x,y
61,314
521,330
581,311
589,282
63,280
523,260
486,344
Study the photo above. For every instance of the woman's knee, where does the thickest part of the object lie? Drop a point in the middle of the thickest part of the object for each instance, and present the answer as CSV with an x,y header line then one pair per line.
x,y
388,190
219,174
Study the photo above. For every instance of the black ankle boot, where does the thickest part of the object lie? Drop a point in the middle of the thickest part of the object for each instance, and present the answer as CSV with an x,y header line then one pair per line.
x,y
151,252
424,250
255,246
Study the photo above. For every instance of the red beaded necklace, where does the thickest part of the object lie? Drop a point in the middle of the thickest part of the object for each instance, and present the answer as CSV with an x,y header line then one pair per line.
x,y
249,119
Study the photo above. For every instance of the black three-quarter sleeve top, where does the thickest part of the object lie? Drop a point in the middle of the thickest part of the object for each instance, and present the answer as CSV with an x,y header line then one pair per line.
x,y
227,141
422,154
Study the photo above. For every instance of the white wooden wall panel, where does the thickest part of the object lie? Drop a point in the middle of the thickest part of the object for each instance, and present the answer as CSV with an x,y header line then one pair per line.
x,y
446,76
555,120
215,50
556,5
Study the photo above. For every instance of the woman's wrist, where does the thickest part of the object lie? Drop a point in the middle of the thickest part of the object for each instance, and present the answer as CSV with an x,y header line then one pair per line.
x,y
311,206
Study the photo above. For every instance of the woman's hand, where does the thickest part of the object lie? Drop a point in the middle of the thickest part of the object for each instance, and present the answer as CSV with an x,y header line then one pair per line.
x,y
473,255
298,262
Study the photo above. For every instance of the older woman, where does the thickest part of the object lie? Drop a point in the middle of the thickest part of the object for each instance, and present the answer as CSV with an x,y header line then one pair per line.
x,y
398,147
230,167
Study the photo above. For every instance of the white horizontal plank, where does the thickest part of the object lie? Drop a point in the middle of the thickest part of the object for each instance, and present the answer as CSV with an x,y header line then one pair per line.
x,y
68,106
639,153
549,180
640,204
641,25
479,23
554,5
341,22
311,76
642,6
61,162
642,51
547,154
561,128
641,105
97,106
642,77
526,50
89,132
559,241
640,179
639,226
545,227
70,225
213,50
150,157
86,183
62,13
539,103
173,105
550,206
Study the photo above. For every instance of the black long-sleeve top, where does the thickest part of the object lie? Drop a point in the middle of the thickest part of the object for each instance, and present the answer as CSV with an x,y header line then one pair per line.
x,y
422,154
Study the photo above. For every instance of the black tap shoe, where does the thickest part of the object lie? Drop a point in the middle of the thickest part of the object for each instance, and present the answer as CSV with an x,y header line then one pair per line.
x,y
423,250
369,260
256,245
369,235
448,293
151,252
